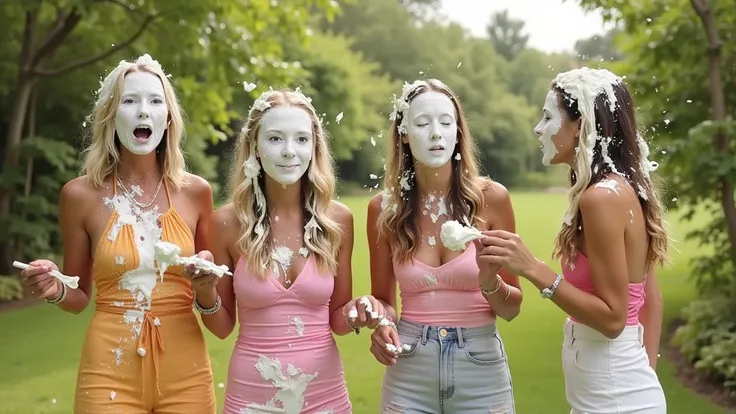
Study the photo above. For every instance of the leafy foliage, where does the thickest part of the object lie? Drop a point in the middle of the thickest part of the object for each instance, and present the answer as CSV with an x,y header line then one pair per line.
x,y
708,338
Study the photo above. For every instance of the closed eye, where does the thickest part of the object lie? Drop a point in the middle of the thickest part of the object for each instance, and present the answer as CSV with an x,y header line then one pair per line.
x,y
447,123
423,125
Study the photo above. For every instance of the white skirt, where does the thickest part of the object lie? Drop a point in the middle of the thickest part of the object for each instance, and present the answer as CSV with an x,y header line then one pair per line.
x,y
609,376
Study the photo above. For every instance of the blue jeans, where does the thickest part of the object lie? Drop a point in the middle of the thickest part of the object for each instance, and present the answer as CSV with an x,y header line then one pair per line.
x,y
448,371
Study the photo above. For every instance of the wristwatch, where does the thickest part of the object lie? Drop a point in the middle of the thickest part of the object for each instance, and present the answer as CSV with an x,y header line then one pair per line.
x,y
547,292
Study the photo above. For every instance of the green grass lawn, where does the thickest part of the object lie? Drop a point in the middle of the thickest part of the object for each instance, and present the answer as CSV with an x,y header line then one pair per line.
x,y
41,345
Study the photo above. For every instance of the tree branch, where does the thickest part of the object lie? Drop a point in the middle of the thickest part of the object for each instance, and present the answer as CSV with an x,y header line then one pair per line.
x,y
61,29
29,39
84,62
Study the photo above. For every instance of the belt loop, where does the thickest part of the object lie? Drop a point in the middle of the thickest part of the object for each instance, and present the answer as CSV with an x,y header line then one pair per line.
x,y
460,341
425,330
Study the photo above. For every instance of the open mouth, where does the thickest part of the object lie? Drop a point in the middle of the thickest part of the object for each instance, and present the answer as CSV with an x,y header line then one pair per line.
x,y
142,133
437,148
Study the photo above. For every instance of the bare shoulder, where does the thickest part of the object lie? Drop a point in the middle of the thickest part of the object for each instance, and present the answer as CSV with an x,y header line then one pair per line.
x,y
494,193
376,204
607,198
224,220
196,186
340,213
79,192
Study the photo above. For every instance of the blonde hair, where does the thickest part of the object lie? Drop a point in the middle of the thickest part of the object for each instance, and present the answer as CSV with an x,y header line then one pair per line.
x,y
398,220
322,234
101,156
609,143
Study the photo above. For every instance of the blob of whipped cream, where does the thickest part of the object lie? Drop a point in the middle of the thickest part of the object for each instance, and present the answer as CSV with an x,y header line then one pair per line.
x,y
455,236
167,254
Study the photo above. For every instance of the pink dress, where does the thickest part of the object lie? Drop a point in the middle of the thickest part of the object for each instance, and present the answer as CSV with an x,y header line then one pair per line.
x,y
285,359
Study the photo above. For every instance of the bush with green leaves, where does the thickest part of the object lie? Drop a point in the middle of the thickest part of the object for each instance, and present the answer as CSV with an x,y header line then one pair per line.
x,y
708,337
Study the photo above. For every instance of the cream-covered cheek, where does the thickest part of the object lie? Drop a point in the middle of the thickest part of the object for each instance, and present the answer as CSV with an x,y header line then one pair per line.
x,y
285,143
142,114
432,129
548,127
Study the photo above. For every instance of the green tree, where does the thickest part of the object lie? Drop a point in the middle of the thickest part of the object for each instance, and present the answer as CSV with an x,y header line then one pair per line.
x,y
507,34
208,47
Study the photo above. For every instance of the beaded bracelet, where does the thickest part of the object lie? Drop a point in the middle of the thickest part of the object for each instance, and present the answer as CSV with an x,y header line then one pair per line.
x,y
208,311
59,298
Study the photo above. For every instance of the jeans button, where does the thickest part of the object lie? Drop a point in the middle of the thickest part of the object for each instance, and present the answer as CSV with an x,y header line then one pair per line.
x,y
443,332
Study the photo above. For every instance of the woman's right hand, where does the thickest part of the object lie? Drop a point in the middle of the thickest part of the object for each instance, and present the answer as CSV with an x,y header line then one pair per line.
x,y
38,281
379,338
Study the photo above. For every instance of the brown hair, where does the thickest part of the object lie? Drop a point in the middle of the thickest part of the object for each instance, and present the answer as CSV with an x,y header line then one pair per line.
x,y
617,150
398,220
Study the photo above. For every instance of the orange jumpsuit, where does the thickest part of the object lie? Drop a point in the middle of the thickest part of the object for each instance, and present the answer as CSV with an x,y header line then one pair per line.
x,y
143,361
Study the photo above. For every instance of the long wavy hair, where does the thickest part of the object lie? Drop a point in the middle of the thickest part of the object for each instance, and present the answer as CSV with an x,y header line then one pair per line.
x,y
102,154
398,220
322,234
609,144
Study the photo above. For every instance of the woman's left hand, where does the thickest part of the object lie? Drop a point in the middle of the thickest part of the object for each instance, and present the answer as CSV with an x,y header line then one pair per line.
x,y
507,250
368,311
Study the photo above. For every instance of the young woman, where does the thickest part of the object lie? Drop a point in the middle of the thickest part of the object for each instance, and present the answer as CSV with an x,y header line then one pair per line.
x,y
291,246
610,243
134,192
445,355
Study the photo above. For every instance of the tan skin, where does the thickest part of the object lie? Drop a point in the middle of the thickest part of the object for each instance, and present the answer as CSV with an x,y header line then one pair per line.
x,y
83,217
284,203
497,213
614,241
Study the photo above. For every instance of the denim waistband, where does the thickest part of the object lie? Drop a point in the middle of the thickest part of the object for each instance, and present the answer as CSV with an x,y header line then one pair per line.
x,y
444,333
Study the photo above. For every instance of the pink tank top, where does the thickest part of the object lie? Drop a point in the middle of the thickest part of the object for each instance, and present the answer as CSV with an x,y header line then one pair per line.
x,y
578,275
448,295
285,356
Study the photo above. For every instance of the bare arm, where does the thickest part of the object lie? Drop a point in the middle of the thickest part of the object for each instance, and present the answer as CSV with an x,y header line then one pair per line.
x,y
76,243
202,198
497,204
383,280
221,237
651,318
604,221
343,291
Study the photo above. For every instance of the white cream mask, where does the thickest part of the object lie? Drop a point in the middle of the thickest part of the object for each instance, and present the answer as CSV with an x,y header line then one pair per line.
x,y
548,127
141,117
432,129
285,143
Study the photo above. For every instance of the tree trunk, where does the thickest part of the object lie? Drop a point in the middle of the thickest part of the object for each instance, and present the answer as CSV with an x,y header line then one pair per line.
x,y
15,131
718,106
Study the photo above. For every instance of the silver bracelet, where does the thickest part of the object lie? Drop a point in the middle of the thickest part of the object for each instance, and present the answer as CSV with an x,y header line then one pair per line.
x,y
208,311
547,292
60,298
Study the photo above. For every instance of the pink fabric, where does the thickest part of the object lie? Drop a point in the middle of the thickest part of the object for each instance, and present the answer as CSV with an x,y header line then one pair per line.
x,y
448,295
292,326
578,275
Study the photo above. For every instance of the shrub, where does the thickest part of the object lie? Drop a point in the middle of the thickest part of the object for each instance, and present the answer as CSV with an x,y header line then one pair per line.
x,y
708,337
